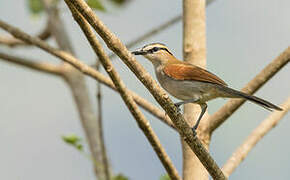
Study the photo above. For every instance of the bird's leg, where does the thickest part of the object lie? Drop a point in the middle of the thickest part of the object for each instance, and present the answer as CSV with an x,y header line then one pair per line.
x,y
203,109
185,102
177,105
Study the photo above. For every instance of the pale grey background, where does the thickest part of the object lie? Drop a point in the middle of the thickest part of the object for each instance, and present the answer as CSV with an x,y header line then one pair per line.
x,y
36,109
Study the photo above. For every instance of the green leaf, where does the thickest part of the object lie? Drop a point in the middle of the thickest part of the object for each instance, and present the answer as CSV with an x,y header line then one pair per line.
x,y
165,177
74,141
35,6
120,177
96,4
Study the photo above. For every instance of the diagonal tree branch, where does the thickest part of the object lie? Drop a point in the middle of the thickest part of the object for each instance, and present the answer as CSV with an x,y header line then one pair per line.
x,y
160,114
242,151
255,84
159,94
13,42
32,64
132,106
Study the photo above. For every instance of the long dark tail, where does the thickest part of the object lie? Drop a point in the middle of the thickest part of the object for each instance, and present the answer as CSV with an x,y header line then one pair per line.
x,y
238,94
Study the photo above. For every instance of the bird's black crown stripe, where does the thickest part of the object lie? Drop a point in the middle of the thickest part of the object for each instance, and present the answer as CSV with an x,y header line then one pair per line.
x,y
155,49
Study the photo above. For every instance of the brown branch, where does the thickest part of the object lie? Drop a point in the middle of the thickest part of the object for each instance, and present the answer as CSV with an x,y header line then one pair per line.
x,y
32,64
155,111
132,106
13,42
139,100
255,84
161,115
152,109
268,124
159,94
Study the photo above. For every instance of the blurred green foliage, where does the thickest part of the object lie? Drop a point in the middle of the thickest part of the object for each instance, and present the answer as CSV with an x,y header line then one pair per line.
x,y
120,177
74,141
96,4
35,7
165,177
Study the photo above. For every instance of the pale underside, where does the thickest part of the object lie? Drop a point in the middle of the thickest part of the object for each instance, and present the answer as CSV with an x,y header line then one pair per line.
x,y
198,91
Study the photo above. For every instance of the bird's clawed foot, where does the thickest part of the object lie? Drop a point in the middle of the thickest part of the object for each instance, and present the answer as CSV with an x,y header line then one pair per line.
x,y
177,105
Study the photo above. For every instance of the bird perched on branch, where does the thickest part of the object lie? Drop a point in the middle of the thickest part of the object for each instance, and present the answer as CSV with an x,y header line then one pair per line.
x,y
190,83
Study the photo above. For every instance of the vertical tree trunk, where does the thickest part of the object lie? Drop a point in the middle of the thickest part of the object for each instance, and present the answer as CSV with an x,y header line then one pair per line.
x,y
194,51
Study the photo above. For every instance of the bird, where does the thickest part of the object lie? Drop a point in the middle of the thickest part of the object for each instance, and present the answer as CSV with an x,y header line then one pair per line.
x,y
190,83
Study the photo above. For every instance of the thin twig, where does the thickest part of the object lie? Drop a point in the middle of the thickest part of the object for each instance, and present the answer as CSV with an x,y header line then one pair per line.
x,y
132,106
255,84
85,69
159,94
242,151
13,42
105,162
32,64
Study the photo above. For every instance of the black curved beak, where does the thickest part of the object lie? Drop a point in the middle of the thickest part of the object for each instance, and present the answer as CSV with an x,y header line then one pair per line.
x,y
139,52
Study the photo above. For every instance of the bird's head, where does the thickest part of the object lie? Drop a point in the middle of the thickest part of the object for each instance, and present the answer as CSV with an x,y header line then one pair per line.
x,y
157,53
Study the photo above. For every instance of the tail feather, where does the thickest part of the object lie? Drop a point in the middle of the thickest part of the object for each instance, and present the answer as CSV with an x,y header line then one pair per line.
x,y
238,94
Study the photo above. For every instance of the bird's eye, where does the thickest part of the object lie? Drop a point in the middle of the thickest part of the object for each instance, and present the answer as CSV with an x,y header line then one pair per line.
x,y
155,49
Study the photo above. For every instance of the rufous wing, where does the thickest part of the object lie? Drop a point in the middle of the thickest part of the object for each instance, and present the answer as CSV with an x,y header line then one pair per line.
x,y
190,72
